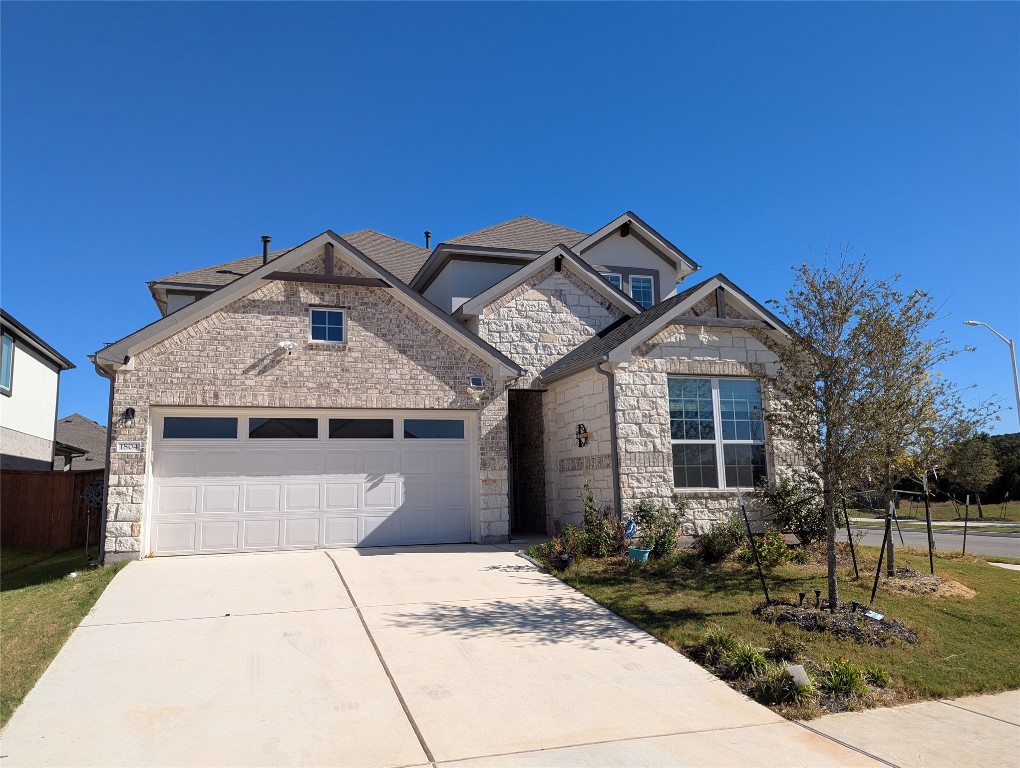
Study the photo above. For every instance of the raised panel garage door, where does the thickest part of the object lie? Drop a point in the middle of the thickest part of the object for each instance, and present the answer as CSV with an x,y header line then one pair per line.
x,y
270,480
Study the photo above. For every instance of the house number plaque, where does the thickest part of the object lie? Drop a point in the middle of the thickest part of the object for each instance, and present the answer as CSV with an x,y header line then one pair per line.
x,y
129,447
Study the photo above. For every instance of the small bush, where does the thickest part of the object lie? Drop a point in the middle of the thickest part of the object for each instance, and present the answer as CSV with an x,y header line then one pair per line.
x,y
746,661
597,538
715,647
658,525
777,686
720,542
795,506
772,550
845,678
876,676
785,647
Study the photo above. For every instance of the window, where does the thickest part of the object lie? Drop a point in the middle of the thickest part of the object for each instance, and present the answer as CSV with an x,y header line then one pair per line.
x,y
431,429
199,428
360,429
328,325
283,429
716,423
7,367
642,290
614,280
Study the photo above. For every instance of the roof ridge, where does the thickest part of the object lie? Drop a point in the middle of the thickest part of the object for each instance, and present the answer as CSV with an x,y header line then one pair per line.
x,y
384,234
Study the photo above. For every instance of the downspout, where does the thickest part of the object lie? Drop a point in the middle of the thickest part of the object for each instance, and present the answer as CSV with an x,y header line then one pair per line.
x,y
106,473
613,450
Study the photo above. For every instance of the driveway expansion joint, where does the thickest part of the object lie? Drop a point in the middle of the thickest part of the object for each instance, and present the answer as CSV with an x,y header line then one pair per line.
x,y
842,743
983,714
382,662
217,616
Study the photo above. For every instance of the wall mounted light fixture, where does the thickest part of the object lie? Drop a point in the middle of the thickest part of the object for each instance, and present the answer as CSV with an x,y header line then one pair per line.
x,y
475,388
129,417
583,435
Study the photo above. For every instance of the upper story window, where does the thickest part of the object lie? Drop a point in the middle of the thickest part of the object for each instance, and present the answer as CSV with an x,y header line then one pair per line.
x,y
716,423
642,290
614,279
328,325
7,366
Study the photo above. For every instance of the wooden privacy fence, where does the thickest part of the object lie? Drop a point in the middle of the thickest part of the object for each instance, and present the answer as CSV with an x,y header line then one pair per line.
x,y
46,509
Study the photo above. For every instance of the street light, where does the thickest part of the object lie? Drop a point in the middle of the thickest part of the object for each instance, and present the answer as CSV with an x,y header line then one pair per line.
x,y
1012,354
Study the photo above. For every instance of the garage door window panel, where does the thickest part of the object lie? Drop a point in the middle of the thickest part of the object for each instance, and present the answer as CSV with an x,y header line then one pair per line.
x,y
360,429
199,428
283,429
434,429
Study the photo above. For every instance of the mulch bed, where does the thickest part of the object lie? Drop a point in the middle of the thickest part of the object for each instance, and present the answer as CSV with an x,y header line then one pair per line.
x,y
844,623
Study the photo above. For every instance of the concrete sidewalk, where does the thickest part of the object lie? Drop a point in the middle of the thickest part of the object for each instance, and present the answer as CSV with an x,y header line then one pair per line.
x,y
976,730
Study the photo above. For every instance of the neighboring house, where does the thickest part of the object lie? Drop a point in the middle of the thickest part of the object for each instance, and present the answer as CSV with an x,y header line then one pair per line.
x,y
360,390
29,386
88,439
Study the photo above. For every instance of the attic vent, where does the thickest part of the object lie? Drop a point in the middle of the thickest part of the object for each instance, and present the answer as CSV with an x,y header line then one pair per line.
x,y
428,236
625,229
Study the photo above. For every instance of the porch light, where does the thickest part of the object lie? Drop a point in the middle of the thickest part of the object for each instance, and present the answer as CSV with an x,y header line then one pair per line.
x,y
583,435
129,417
475,388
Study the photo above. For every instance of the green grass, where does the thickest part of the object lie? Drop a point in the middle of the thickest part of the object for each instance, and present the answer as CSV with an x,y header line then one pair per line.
x,y
967,645
40,608
946,511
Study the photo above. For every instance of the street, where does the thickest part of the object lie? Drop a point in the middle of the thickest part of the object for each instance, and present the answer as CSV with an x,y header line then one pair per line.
x,y
996,544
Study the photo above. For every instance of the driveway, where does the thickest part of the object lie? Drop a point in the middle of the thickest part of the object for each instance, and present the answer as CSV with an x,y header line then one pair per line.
x,y
412,656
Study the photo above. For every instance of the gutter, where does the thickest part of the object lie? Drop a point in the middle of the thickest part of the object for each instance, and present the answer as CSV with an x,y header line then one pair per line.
x,y
613,448
106,474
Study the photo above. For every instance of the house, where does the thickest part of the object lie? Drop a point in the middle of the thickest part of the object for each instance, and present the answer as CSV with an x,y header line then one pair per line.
x,y
29,387
88,439
359,390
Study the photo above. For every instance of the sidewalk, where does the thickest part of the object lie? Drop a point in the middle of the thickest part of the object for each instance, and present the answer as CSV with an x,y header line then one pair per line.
x,y
975,730
937,523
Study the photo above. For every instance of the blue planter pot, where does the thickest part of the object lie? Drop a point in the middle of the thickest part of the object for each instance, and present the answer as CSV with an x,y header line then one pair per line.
x,y
637,554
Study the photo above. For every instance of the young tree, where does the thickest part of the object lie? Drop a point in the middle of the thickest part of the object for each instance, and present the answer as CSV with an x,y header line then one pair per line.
x,y
855,388
972,466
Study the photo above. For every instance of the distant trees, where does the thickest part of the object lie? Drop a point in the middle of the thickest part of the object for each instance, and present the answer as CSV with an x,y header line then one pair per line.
x,y
972,467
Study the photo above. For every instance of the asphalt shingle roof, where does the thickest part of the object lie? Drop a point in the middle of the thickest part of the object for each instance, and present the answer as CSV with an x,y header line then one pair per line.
x,y
400,258
595,348
523,233
86,434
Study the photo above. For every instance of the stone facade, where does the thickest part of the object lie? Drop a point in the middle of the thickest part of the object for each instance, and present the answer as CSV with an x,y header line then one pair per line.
x,y
643,433
544,318
393,358
580,399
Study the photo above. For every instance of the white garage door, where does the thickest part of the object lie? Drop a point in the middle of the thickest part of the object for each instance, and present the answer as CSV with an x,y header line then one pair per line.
x,y
232,482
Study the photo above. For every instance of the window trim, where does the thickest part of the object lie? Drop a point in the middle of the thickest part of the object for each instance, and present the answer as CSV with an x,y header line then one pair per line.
x,y
651,289
719,442
343,325
7,390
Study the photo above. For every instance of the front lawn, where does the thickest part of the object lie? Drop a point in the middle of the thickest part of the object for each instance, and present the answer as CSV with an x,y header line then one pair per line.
x,y
966,645
40,607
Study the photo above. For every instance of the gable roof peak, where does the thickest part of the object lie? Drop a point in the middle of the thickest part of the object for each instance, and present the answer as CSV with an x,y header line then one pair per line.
x,y
524,233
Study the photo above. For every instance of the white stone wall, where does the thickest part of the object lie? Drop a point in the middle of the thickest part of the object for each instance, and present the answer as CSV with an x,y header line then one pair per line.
x,y
580,399
544,318
393,359
646,462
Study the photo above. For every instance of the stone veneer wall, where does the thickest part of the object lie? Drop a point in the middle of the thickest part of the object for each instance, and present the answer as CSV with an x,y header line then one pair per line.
x,y
580,399
544,318
646,462
393,359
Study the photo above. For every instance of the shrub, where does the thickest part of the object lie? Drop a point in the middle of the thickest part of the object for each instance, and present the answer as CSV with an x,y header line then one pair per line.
x,y
658,525
600,537
845,678
777,686
715,647
876,676
720,542
772,550
746,661
795,506
784,647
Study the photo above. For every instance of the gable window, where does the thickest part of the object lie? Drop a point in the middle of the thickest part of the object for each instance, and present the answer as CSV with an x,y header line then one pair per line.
x,y
328,325
614,279
641,290
7,367
717,432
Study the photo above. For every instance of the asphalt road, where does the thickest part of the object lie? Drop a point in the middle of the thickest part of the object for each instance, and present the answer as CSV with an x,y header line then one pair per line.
x,y
1001,544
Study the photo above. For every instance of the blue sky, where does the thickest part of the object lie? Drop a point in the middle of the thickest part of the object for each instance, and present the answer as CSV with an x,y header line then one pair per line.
x,y
142,139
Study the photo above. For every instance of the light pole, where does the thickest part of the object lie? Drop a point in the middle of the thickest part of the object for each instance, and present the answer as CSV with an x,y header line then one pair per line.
x,y
1012,354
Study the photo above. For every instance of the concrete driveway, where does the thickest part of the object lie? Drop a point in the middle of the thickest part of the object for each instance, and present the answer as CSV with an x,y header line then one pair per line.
x,y
463,655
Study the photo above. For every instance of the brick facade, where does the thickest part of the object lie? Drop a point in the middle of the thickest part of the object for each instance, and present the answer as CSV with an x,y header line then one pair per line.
x,y
393,358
